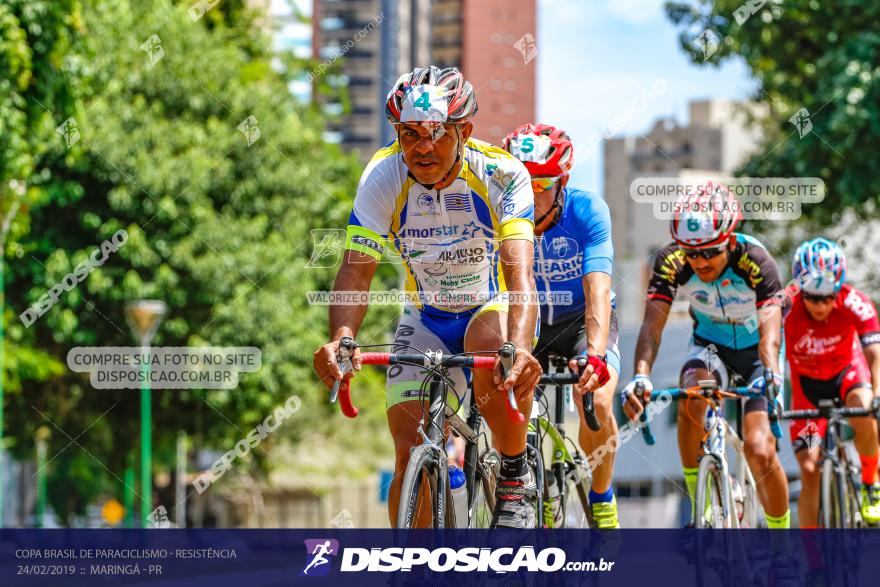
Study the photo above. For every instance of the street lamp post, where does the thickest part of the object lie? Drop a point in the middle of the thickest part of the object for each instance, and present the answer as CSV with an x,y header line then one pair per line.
x,y
143,318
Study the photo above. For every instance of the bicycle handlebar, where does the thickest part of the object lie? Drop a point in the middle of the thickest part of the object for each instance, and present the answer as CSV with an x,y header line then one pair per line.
x,y
773,408
342,390
571,379
832,412
589,408
681,393
685,393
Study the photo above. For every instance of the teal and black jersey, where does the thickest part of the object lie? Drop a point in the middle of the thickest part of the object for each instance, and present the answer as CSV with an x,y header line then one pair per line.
x,y
725,310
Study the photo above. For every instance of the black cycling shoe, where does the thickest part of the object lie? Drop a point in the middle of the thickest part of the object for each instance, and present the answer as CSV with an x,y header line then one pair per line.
x,y
515,502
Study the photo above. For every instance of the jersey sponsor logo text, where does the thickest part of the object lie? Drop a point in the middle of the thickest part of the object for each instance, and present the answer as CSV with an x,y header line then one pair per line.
x,y
367,242
560,269
859,306
465,255
433,231
427,204
752,269
815,345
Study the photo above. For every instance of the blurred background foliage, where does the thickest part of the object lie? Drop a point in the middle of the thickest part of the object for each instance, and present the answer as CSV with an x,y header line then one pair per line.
x,y
220,230
217,229
823,57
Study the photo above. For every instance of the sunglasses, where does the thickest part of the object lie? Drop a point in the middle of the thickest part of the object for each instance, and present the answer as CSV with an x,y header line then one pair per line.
x,y
703,253
818,298
541,184
435,130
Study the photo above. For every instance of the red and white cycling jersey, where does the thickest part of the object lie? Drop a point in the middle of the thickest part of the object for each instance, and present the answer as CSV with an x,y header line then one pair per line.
x,y
821,350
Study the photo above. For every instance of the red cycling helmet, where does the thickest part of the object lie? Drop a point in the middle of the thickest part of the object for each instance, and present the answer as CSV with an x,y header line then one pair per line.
x,y
545,150
705,218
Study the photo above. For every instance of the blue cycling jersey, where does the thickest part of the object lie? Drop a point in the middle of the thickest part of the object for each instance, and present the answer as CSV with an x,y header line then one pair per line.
x,y
578,244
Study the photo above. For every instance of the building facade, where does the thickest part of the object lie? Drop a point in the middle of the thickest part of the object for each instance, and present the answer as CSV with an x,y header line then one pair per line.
x,y
491,41
717,139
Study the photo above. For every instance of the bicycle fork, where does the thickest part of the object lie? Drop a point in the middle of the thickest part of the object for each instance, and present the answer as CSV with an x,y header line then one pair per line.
x,y
434,439
714,448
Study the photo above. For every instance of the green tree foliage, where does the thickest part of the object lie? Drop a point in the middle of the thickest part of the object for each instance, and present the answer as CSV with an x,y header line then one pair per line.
x,y
805,54
35,75
218,228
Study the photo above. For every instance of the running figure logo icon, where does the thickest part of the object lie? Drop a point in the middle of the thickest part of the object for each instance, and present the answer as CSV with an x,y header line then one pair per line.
x,y
318,552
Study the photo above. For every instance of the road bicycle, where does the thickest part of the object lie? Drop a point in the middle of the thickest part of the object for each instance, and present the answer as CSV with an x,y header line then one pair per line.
x,y
840,472
425,492
566,484
730,501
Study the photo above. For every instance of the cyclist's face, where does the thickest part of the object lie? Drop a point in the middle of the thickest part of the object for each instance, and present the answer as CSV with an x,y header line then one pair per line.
x,y
819,310
709,270
543,202
428,152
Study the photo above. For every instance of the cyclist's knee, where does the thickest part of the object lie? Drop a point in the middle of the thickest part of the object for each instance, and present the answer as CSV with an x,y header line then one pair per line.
x,y
603,402
760,450
402,422
486,332
859,397
691,374
809,472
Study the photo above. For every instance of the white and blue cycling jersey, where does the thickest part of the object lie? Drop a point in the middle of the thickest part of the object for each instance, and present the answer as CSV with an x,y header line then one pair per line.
x,y
578,244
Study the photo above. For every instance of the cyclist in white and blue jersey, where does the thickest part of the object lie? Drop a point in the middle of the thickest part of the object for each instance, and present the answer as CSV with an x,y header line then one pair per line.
x,y
573,262
459,212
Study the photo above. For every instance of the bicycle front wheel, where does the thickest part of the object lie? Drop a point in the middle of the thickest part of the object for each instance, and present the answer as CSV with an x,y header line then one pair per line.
x,y
483,505
709,501
423,494
832,497
536,463
576,509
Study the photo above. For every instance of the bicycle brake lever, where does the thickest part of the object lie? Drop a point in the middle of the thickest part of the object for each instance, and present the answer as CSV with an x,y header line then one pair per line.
x,y
772,404
643,417
341,388
589,408
508,357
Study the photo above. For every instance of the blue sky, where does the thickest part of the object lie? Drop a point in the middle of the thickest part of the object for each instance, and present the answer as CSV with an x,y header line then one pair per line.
x,y
596,57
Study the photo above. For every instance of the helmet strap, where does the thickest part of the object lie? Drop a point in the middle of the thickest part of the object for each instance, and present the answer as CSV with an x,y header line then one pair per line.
x,y
556,208
459,151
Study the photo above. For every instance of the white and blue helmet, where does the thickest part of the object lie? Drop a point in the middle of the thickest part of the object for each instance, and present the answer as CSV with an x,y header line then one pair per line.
x,y
819,267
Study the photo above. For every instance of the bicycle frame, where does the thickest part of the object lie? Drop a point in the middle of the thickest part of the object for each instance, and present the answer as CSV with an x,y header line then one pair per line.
x,y
723,435
834,451
562,460
720,433
432,430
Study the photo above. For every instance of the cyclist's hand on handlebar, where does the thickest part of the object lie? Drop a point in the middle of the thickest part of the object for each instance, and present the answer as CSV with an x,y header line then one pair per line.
x,y
594,375
326,363
633,405
759,384
523,376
